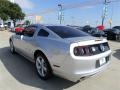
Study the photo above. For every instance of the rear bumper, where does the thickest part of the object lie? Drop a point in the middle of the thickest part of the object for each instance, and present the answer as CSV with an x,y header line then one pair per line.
x,y
74,69
76,76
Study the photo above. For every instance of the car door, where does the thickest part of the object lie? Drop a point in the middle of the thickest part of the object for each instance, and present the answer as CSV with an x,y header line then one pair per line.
x,y
28,41
17,42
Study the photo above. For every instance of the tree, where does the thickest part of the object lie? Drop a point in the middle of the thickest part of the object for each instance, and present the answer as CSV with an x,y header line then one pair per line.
x,y
3,9
11,11
15,13
27,22
3,16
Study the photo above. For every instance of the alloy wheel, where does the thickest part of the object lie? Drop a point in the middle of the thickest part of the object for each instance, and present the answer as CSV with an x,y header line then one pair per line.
x,y
41,66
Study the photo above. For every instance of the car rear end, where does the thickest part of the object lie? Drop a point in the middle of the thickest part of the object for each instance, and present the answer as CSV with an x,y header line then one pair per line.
x,y
87,58
85,55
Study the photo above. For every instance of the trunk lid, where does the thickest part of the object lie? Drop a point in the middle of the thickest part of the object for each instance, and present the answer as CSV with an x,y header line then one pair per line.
x,y
82,39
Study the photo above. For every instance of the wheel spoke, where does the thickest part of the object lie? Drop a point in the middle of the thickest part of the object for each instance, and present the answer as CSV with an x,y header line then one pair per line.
x,y
44,68
39,71
39,61
43,74
42,61
39,67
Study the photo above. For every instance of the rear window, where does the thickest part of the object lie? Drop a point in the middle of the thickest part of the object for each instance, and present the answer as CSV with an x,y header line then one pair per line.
x,y
67,32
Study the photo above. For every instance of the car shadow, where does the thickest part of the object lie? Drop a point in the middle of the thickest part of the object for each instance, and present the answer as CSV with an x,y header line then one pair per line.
x,y
117,54
24,71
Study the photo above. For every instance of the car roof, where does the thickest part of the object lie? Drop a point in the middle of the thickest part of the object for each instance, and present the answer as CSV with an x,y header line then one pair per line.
x,y
45,25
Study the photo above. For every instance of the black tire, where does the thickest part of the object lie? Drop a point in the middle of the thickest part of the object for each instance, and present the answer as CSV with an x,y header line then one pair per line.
x,y
108,37
12,48
43,68
119,37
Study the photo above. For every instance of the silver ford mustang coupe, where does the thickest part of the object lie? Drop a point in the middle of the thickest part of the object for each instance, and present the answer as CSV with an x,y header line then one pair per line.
x,y
61,50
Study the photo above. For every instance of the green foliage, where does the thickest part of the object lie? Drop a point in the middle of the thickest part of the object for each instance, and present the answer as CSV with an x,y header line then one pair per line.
x,y
3,9
3,16
10,10
15,12
27,22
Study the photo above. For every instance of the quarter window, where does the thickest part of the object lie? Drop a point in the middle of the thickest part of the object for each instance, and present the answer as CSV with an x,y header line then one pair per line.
x,y
43,33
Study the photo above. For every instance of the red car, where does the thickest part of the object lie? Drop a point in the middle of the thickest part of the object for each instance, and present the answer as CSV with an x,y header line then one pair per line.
x,y
19,28
101,27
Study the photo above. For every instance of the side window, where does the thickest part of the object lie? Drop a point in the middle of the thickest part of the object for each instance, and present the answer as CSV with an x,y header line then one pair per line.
x,y
43,33
29,31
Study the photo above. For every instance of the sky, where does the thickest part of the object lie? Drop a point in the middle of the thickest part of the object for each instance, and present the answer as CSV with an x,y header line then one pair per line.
x,y
82,15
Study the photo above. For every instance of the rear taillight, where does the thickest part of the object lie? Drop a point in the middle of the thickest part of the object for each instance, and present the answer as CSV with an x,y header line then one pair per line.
x,y
91,49
82,51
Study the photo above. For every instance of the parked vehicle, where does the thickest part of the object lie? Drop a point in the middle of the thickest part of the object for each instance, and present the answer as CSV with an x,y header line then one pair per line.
x,y
112,34
19,28
93,31
6,26
97,33
100,27
87,29
61,50
76,27
116,27
1,26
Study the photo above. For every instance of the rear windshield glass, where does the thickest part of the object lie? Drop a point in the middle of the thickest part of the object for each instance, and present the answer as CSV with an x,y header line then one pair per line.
x,y
67,32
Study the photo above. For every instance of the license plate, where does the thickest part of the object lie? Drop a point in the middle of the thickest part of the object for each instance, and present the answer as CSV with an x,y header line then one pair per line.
x,y
102,61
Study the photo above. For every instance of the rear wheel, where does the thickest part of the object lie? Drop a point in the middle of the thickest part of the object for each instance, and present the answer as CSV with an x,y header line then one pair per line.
x,y
118,37
43,68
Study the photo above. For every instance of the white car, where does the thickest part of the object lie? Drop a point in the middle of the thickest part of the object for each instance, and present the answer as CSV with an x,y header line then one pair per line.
x,y
1,26
61,50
